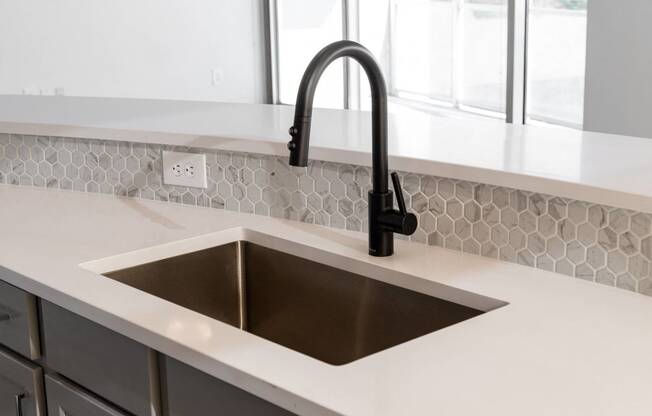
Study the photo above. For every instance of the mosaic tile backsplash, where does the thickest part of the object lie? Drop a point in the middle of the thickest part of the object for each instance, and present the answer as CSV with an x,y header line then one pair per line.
x,y
607,245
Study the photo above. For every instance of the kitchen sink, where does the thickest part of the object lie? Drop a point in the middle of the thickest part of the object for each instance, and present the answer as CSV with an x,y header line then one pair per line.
x,y
327,313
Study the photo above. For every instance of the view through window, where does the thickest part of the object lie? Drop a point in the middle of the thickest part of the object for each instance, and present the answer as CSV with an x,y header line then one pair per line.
x,y
441,55
449,52
304,27
556,61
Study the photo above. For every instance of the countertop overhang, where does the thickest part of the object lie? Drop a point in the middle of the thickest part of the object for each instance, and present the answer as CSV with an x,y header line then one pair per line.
x,y
600,168
561,346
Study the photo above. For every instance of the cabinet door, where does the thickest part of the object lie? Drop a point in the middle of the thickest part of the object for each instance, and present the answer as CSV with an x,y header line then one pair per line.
x,y
189,392
66,399
21,387
110,365
19,321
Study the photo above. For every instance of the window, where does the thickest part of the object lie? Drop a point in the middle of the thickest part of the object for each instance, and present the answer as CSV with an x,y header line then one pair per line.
x,y
444,55
483,53
556,60
450,52
422,59
304,27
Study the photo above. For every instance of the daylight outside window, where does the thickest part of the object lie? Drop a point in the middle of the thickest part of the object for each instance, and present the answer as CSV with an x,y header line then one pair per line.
x,y
556,61
441,55
304,27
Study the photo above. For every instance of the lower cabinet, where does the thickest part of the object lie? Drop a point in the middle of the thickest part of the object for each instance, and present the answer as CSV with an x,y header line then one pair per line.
x,y
19,321
190,392
21,387
114,367
66,399
80,368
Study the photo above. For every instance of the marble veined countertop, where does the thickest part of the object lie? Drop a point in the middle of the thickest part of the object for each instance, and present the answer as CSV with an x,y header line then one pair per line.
x,y
560,346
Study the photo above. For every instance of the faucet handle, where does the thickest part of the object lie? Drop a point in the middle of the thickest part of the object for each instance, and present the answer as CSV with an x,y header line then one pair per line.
x,y
399,193
402,222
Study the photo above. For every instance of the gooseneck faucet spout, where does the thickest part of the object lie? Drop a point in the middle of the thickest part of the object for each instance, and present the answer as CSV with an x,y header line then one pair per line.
x,y
384,220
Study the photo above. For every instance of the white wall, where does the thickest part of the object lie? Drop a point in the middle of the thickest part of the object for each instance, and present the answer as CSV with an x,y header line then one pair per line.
x,y
163,49
618,92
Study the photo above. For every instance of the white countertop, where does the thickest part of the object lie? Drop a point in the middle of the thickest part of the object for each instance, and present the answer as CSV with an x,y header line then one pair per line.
x,y
600,168
561,346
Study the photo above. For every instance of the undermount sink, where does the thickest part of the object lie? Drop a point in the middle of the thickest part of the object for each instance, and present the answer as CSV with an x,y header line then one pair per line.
x,y
330,314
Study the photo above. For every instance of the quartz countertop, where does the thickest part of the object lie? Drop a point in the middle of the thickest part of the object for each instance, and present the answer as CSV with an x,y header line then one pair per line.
x,y
561,346
600,168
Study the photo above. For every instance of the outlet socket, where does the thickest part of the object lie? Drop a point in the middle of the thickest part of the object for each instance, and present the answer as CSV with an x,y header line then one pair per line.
x,y
217,76
184,169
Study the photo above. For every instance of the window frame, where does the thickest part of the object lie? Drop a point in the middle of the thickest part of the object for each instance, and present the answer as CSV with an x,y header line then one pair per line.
x,y
516,76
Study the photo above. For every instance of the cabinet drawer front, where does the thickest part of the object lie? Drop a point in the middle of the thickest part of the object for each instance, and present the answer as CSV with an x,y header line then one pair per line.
x,y
19,321
187,391
110,365
66,399
21,384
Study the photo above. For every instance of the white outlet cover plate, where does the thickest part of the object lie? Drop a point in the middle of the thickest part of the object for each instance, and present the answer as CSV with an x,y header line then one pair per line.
x,y
195,160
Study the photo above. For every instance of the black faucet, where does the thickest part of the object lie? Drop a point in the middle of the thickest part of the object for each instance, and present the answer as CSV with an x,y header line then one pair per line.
x,y
384,220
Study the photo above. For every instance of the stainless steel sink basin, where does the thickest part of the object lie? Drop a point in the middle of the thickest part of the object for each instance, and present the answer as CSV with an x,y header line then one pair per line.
x,y
330,314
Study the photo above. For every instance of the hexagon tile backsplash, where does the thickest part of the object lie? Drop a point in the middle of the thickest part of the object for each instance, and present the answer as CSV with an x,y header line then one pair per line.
x,y
607,245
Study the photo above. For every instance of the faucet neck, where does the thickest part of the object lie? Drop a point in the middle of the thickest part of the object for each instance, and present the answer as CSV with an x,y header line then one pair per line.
x,y
303,112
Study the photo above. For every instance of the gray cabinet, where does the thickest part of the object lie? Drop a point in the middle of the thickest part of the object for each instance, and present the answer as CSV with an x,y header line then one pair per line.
x,y
110,365
93,371
21,386
19,321
190,392
66,399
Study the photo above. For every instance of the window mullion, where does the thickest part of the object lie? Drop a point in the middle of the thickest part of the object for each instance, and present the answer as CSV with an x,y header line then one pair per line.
x,y
270,21
391,16
458,52
351,31
516,61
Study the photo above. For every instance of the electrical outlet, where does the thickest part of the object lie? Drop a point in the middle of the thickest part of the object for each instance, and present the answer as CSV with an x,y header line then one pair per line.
x,y
184,169
217,76
177,170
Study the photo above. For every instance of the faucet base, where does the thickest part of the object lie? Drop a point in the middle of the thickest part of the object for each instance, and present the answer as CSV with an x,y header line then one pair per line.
x,y
381,239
